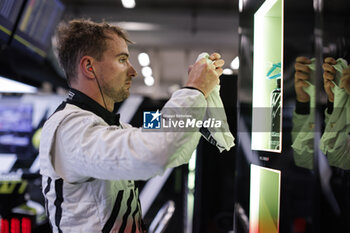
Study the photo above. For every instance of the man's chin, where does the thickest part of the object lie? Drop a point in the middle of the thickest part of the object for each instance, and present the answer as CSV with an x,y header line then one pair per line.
x,y
124,97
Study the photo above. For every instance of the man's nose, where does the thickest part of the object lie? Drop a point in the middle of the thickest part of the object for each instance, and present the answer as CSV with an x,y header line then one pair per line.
x,y
132,71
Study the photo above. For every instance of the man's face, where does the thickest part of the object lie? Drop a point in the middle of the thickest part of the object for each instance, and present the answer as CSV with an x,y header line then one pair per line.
x,y
115,70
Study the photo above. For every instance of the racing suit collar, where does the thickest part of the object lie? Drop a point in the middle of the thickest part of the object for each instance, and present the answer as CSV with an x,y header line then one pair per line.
x,y
83,101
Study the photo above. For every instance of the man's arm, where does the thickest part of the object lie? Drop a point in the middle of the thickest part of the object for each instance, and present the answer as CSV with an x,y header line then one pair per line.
x,y
87,147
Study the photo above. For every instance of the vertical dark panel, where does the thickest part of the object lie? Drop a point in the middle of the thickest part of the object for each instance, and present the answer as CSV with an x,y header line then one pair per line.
x,y
334,198
214,192
296,182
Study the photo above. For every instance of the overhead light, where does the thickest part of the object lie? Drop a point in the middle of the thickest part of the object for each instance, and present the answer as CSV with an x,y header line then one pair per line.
x,y
143,59
240,5
149,81
146,71
173,88
318,5
228,71
11,86
235,63
128,3
137,26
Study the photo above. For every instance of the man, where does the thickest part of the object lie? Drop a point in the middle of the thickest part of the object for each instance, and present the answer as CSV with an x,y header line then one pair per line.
x,y
335,141
88,158
329,78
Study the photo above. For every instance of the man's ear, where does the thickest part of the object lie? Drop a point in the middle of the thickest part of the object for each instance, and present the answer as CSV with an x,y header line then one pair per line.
x,y
86,67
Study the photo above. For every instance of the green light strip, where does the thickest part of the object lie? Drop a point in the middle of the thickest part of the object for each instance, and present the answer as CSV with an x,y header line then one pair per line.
x,y
29,45
2,28
191,179
24,42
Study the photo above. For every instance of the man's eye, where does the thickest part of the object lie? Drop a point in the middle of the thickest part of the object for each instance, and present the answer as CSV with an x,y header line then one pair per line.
x,y
122,60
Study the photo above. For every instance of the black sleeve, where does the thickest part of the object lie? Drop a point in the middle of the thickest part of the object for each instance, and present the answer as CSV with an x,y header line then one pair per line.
x,y
194,89
302,108
329,107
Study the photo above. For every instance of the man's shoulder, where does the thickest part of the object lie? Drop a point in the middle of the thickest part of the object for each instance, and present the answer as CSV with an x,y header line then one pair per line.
x,y
68,111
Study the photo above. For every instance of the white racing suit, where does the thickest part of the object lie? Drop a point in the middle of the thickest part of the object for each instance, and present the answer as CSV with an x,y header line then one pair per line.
x,y
88,164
